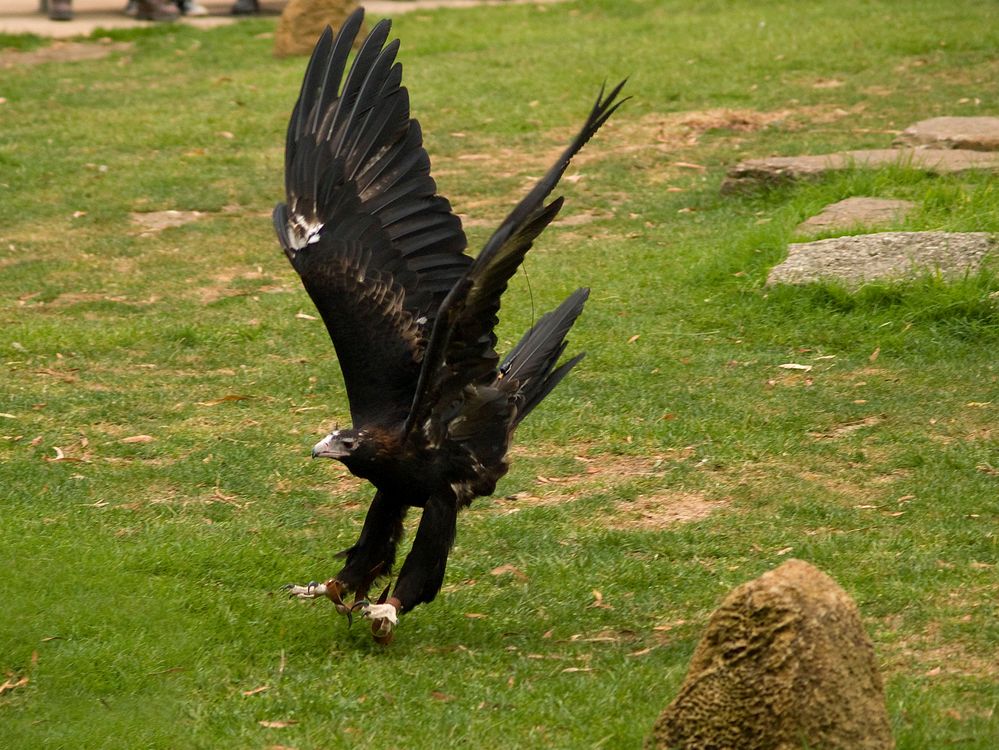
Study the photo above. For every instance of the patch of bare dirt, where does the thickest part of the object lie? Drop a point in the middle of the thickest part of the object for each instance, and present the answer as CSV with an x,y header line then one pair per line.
x,y
61,52
663,510
221,288
859,487
848,428
933,655
75,298
594,472
676,130
156,221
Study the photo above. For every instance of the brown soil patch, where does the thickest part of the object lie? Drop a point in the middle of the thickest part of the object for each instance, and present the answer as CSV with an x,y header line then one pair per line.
x,y
594,473
862,488
663,510
61,52
677,130
156,221
222,288
659,132
933,655
848,428
75,298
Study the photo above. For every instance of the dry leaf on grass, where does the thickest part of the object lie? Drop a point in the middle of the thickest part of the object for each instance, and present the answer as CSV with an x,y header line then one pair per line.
x,y
277,724
511,569
11,684
598,601
437,695
795,366
138,439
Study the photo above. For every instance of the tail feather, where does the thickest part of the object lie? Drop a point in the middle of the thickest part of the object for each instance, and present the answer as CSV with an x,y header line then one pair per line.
x,y
532,362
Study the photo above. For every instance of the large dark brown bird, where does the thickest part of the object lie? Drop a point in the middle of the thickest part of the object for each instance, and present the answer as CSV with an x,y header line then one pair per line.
x,y
410,315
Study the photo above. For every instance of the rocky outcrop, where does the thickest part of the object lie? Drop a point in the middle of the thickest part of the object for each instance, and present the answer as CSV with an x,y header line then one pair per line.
x,y
302,21
859,258
785,664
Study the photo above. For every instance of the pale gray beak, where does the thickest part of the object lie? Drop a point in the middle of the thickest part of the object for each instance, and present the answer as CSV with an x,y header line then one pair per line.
x,y
330,447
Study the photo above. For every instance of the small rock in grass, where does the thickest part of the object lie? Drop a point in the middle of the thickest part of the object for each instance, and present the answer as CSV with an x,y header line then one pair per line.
x,y
858,211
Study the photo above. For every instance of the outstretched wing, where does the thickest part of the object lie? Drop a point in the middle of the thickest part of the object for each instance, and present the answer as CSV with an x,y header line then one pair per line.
x,y
462,345
377,249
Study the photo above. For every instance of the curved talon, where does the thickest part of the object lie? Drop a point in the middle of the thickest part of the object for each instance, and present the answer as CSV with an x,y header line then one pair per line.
x,y
334,592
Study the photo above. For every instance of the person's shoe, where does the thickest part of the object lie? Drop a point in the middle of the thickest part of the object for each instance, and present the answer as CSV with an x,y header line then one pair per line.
x,y
156,10
245,7
193,8
60,10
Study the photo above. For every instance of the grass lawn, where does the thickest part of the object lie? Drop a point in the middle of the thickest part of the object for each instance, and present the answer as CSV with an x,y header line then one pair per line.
x,y
160,390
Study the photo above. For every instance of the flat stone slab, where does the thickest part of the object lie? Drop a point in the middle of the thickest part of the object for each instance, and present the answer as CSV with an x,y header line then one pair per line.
x,y
858,211
975,133
775,170
884,256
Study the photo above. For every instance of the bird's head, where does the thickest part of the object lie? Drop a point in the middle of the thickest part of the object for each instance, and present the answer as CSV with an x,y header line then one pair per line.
x,y
339,444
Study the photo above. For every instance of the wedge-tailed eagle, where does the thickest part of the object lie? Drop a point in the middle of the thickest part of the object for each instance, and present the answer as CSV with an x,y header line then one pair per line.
x,y
411,316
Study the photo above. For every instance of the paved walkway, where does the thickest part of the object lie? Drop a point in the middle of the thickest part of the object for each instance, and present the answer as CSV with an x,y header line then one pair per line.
x,y
23,17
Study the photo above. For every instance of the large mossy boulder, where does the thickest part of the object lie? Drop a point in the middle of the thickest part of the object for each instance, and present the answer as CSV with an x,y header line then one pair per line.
x,y
302,21
785,664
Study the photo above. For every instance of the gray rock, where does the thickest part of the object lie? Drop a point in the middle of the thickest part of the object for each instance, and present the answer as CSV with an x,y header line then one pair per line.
x,y
884,256
858,211
975,133
785,663
775,170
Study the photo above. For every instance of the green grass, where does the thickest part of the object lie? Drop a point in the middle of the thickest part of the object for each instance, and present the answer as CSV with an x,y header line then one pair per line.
x,y
139,579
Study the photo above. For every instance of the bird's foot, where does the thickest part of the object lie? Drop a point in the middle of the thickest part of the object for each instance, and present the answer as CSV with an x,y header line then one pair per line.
x,y
332,590
384,616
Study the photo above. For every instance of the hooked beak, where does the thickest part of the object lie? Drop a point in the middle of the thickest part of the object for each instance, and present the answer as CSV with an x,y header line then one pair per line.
x,y
329,447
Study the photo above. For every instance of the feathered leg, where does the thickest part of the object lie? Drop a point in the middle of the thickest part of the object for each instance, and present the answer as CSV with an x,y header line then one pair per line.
x,y
371,556
422,574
